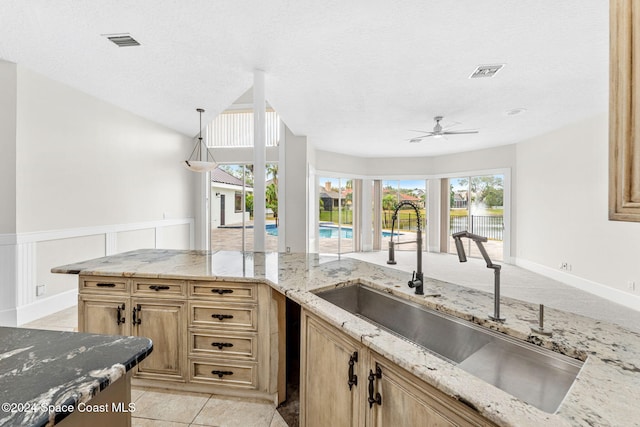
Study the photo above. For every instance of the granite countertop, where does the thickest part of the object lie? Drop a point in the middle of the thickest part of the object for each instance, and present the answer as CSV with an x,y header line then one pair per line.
x,y
42,373
606,392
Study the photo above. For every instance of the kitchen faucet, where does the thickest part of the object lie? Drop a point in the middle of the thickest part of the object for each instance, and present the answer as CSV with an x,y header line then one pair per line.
x,y
496,268
417,280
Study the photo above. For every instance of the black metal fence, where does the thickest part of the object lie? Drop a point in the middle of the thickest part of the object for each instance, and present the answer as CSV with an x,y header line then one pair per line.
x,y
405,221
490,226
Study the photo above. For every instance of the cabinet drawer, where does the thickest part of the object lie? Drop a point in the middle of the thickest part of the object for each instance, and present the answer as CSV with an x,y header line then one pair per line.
x,y
243,346
225,316
104,284
222,372
224,291
159,288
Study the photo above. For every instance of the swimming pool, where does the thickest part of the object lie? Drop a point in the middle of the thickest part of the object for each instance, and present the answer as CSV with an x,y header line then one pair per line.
x,y
327,232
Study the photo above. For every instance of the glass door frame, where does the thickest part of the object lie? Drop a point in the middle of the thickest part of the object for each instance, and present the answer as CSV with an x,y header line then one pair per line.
x,y
506,239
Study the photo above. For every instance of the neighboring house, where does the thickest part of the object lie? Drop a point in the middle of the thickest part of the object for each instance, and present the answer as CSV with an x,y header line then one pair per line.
x,y
330,199
460,199
226,199
410,198
401,197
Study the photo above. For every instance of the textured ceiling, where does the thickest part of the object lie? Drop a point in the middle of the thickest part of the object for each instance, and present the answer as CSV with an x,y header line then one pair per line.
x,y
353,76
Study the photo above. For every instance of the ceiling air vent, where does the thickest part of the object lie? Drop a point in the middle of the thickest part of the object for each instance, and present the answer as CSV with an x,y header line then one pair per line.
x,y
122,40
486,71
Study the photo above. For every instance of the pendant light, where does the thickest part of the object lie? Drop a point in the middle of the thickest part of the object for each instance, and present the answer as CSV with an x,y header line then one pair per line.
x,y
195,162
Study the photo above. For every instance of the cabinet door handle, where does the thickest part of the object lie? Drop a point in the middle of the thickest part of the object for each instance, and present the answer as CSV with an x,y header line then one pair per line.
x,y
159,288
353,378
106,285
221,344
136,315
121,318
222,291
221,317
372,377
221,374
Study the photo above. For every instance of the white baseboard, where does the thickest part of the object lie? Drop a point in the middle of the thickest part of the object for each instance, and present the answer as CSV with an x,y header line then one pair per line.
x,y
612,294
46,306
8,317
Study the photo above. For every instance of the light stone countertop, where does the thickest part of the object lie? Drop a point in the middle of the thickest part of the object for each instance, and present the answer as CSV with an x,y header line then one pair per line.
x,y
606,392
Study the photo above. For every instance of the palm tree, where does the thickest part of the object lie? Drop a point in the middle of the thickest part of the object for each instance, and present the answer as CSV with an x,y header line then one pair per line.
x,y
271,191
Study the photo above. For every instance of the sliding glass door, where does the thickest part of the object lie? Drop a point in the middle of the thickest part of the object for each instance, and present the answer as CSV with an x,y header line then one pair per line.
x,y
476,204
335,215
406,224
231,208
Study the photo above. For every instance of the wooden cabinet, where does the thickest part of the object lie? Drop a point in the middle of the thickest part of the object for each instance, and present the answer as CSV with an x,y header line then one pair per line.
x,y
383,394
624,94
104,315
164,323
407,400
121,307
330,376
226,341
208,336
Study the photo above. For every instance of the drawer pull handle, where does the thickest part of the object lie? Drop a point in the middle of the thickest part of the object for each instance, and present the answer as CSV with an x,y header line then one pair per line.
x,y
221,374
121,318
159,288
372,377
353,378
221,317
106,285
222,291
221,344
136,315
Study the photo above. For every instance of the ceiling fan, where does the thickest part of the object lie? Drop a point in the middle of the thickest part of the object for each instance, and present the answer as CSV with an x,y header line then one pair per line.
x,y
439,132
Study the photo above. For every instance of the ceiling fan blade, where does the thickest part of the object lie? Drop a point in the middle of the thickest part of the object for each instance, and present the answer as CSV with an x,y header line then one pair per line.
x,y
421,131
450,125
459,132
421,137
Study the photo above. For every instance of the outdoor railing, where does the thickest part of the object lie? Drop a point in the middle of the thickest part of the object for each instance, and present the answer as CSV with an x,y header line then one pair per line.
x,y
490,226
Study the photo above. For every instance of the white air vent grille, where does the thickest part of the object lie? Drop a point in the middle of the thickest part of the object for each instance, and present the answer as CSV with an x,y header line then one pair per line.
x,y
486,71
122,40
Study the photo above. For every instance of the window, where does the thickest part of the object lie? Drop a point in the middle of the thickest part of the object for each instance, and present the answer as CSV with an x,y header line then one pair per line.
x,y
335,214
476,205
406,225
235,129
238,201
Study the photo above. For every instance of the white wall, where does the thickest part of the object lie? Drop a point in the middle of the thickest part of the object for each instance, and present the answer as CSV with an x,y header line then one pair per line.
x,y
83,162
562,208
8,78
491,158
84,173
230,214
296,198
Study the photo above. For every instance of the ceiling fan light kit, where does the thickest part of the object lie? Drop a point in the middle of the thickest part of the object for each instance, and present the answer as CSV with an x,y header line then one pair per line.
x,y
195,162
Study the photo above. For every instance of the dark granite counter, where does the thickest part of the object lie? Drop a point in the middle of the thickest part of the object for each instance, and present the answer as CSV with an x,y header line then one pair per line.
x,y
45,375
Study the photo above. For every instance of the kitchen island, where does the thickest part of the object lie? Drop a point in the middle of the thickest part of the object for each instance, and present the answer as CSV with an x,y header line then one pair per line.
x,y
66,378
605,393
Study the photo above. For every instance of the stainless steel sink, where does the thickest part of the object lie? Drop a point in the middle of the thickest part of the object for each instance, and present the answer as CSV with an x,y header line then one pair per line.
x,y
535,375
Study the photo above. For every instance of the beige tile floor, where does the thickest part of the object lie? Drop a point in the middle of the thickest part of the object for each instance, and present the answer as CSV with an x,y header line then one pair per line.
x,y
161,408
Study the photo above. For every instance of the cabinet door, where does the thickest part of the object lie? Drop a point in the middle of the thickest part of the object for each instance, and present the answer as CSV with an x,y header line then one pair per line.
x,y
164,323
104,315
326,398
405,400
